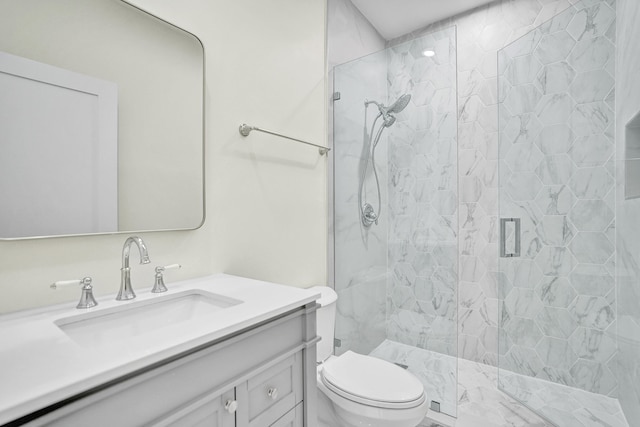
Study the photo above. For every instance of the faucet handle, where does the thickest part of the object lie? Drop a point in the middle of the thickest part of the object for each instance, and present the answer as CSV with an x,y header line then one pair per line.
x,y
86,298
64,283
159,285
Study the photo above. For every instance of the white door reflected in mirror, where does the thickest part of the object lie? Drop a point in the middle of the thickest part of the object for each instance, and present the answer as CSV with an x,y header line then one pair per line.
x,y
59,151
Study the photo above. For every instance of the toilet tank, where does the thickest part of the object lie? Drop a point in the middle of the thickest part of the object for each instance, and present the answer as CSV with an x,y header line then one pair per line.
x,y
326,320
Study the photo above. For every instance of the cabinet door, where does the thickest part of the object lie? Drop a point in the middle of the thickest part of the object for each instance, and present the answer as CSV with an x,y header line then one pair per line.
x,y
216,410
293,418
271,393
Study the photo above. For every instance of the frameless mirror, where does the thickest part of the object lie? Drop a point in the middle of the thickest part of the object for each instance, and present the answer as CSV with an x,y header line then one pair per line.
x,y
101,120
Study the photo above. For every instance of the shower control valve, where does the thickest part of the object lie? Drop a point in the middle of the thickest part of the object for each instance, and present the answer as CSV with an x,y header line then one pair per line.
x,y
369,216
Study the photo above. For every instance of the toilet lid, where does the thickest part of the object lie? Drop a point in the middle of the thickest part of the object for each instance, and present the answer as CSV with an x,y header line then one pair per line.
x,y
372,381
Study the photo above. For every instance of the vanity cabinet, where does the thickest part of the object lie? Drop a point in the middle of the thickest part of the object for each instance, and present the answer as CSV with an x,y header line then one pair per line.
x,y
269,398
262,376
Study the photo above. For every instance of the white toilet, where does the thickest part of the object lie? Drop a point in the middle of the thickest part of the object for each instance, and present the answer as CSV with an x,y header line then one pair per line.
x,y
357,390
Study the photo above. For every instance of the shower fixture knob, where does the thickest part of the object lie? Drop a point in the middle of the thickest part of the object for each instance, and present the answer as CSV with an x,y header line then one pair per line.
x,y
369,216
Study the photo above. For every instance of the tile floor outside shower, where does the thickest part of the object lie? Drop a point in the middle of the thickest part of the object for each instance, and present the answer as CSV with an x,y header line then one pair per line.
x,y
481,404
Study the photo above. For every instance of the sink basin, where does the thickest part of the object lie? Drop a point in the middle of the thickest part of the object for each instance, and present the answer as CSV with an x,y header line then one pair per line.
x,y
139,318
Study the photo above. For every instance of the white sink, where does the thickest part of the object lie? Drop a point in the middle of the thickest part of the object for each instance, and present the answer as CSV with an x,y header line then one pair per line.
x,y
102,327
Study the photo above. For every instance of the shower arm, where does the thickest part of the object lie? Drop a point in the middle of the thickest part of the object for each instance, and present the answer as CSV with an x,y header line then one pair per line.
x,y
384,111
367,103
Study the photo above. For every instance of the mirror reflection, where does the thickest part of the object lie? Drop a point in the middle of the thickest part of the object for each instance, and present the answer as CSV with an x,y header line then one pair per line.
x,y
101,120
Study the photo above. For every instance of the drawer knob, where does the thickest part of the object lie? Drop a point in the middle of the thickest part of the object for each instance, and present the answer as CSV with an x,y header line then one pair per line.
x,y
273,393
231,406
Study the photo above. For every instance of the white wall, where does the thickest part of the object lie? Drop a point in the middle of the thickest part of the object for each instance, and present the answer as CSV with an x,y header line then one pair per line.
x,y
350,35
266,197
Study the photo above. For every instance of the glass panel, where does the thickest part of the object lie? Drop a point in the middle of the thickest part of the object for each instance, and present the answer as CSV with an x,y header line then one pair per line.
x,y
558,307
627,361
396,255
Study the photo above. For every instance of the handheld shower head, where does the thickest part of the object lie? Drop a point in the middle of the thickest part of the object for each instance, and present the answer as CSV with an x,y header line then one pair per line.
x,y
368,214
388,113
400,104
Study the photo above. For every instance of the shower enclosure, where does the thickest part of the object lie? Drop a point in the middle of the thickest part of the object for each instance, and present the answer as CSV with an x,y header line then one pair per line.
x,y
396,207
558,316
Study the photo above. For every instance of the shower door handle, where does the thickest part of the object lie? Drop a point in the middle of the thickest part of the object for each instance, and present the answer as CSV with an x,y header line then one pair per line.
x,y
514,249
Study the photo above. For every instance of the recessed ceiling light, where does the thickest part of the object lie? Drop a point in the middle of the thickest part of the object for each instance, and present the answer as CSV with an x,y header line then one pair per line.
x,y
428,53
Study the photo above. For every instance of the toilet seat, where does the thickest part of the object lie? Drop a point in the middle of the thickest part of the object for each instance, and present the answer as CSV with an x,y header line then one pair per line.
x,y
372,382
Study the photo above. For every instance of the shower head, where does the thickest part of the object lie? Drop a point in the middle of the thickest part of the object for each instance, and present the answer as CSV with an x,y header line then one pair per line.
x,y
388,113
400,104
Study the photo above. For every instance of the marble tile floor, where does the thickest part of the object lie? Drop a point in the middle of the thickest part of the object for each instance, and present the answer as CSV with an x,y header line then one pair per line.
x,y
564,406
481,404
436,371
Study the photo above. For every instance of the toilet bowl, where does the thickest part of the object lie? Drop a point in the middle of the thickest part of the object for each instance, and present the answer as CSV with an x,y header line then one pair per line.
x,y
356,390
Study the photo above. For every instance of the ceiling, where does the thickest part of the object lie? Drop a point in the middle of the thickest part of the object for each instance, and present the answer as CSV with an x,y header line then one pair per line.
x,y
394,18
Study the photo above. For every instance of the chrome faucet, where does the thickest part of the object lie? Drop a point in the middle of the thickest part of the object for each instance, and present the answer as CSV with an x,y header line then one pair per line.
x,y
126,291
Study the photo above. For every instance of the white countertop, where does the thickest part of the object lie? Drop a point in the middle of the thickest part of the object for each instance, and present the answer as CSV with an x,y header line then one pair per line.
x,y
41,365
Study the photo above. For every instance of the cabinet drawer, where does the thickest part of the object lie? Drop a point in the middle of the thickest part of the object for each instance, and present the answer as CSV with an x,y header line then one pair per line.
x,y
293,418
209,411
275,391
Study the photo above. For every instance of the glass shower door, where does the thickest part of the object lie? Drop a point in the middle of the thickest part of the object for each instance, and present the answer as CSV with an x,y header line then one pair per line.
x,y
557,204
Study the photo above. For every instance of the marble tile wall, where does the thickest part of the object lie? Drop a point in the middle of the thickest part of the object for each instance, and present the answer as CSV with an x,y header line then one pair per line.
x,y
627,213
557,138
423,197
481,33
